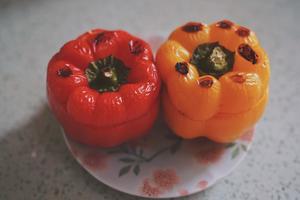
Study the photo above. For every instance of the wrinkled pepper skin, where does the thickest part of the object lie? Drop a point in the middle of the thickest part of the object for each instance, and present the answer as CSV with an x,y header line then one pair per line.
x,y
215,78
124,108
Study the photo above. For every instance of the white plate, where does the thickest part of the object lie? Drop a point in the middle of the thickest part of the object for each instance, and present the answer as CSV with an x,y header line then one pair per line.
x,y
161,165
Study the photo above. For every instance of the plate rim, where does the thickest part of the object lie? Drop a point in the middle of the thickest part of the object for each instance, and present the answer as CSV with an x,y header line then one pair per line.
x,y
211,183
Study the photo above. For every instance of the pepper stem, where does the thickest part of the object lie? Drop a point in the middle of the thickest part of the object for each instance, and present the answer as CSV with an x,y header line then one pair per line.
x,y
212,59
107,74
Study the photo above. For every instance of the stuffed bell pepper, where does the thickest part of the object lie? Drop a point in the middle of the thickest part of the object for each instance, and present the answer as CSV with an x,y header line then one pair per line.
x,y
103,87
216,80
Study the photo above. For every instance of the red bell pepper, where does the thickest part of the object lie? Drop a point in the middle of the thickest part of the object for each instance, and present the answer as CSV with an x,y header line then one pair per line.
x,y
103,87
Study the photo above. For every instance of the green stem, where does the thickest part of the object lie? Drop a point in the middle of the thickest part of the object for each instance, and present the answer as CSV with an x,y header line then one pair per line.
x,y
142,159
157,153
107,74
212,59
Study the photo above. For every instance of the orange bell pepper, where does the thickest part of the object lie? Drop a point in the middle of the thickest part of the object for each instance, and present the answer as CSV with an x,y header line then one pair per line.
x,y
216,80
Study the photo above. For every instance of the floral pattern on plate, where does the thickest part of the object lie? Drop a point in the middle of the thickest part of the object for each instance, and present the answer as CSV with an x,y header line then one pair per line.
x,y
162,165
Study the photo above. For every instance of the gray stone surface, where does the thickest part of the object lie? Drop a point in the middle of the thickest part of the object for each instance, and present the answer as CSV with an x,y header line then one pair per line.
x,y
34,161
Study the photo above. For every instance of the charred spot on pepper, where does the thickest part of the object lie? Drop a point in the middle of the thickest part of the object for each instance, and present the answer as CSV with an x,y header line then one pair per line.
x,y
238,78
248,53
136,47
192,27
206,82
225,24
243,32
107,74
212,59
64,72
182,68
103,37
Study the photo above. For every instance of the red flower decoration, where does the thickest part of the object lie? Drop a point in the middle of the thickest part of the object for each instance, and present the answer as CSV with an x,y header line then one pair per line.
x,y
161,181
202,184
150,190
165,179
248,135
95,160
183,192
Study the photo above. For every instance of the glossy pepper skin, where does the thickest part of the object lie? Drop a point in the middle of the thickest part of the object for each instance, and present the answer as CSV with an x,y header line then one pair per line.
x,y
215,80
103,87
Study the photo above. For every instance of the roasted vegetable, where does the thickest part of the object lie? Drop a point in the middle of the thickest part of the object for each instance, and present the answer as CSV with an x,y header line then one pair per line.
x,y
216,80
103,87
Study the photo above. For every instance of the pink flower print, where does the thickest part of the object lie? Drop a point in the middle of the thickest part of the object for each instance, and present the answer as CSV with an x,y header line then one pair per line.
x,y
183,192
248,135
149,190
95,160
202,184
165,178
161,181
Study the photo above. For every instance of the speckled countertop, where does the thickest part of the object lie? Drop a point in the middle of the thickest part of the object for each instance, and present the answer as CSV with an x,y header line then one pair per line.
x,y
34,161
